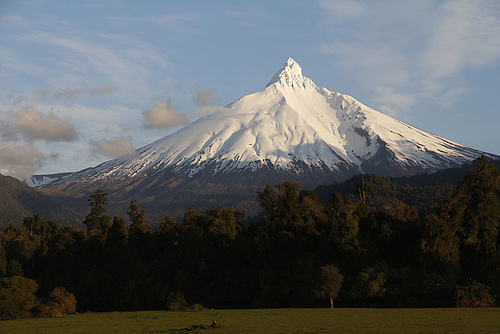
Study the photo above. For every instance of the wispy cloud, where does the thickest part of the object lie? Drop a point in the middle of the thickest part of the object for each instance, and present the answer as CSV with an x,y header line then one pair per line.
x,y
90,55
403,49
163,115
44,95
205,97
177,22
467,34
80,63
103,91
11,20
246,18
68,93
343,8
67,84
173,22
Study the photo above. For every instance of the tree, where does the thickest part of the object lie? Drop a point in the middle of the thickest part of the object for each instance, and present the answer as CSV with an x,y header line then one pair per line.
x,y
440,243
138,222
474,294
61,303
64,300
473,215
118,234
15,268
311,209
96,222
176,301
371,282
3,261
97,201
474,208
222,224
331,282
343,223
169,231
17,297
281,202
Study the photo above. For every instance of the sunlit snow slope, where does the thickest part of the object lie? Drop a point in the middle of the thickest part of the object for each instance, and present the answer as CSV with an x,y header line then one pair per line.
x,y
291,127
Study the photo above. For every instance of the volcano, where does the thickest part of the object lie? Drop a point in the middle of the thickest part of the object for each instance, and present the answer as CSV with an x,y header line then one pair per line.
x,y
290,130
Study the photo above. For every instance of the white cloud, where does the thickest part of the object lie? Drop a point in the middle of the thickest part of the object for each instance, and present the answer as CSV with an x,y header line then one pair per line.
x,y
467,34
163,116
91,124
19,159
400,49
19,156
112,148
35,125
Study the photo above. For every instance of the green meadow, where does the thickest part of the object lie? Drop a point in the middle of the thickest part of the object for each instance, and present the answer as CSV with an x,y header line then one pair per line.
x,y
453,320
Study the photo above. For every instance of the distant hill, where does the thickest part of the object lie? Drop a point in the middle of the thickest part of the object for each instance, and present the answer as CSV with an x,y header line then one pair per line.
x,y
421,191
18,200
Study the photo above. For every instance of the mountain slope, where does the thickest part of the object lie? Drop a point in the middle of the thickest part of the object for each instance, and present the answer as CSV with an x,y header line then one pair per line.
x,y
291,130
17,201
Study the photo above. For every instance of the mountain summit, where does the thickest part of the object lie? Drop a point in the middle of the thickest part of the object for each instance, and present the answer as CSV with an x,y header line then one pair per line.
x,y
291,130
290,75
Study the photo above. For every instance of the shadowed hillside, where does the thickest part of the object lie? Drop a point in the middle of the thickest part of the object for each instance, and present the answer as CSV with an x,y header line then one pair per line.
x,y
18,200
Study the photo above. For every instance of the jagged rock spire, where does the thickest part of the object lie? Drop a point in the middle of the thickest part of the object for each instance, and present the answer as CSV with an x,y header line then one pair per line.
x,y
290,75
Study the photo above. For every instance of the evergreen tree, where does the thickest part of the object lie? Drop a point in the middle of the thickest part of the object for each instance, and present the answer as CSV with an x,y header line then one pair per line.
x,y
138,222
118,234
97,222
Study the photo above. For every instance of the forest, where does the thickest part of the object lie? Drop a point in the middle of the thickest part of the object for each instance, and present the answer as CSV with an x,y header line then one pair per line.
x,y
379,245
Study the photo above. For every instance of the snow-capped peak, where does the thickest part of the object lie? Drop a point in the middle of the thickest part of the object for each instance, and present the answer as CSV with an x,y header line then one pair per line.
x,y
290,75
291,128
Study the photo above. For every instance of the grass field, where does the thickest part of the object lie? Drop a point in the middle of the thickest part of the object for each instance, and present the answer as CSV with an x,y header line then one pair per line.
x,y
269,321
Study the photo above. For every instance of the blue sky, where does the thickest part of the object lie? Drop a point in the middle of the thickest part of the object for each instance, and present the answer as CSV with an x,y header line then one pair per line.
x,y
84,81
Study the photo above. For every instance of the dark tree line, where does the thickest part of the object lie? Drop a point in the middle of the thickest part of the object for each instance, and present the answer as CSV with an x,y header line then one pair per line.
x,y
300,251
